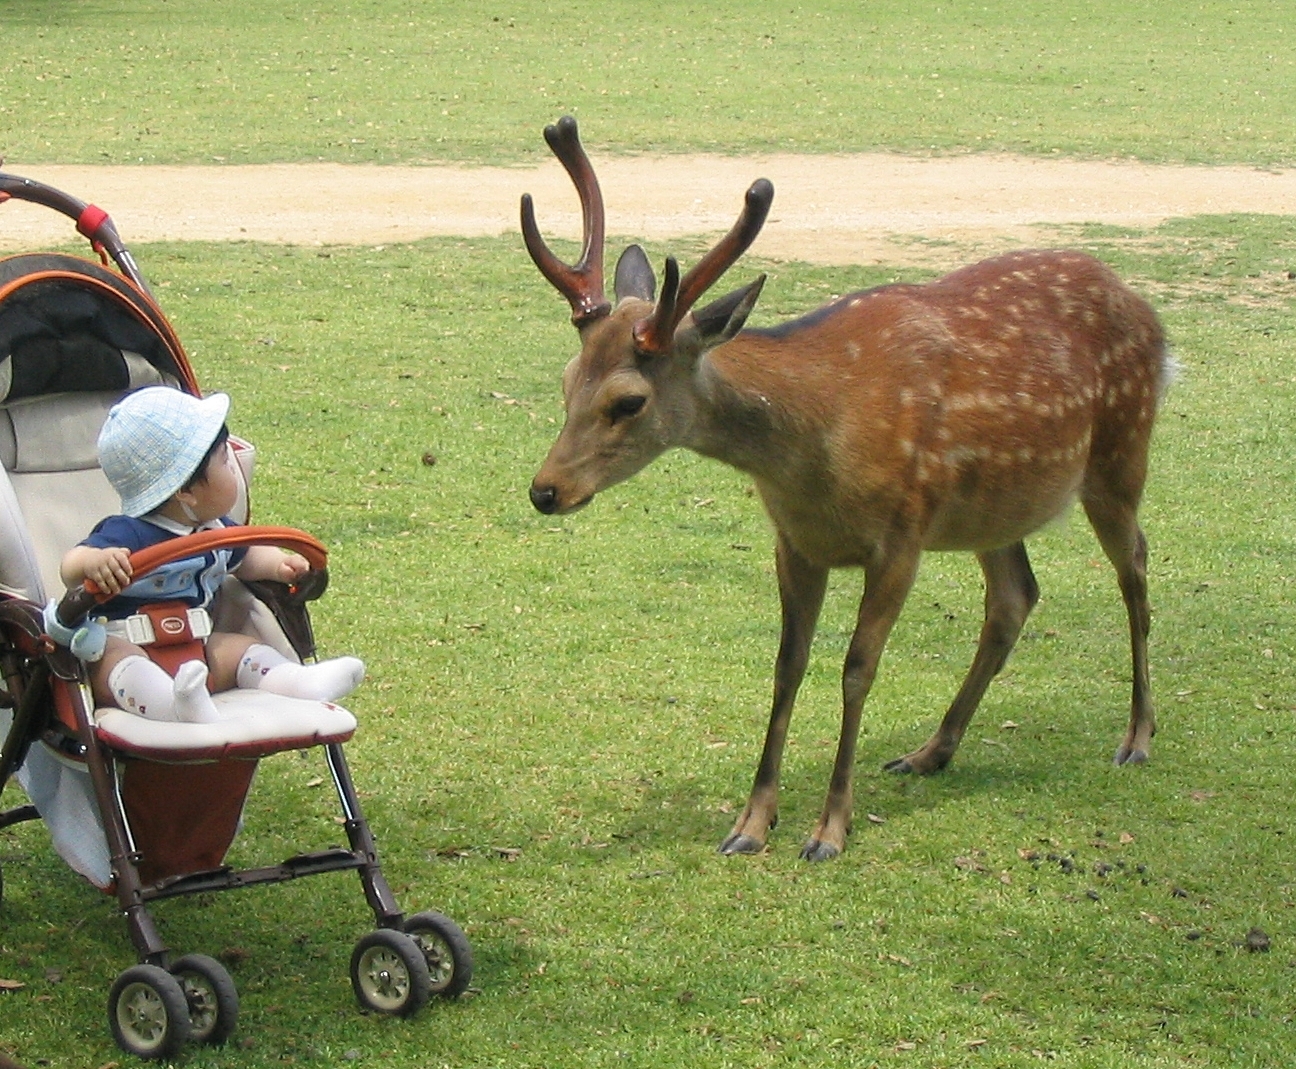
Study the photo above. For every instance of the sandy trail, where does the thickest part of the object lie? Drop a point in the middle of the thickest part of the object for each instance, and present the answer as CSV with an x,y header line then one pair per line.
x,y
827,209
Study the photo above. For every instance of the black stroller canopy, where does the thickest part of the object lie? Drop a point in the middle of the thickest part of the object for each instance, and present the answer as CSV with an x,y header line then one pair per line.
x,y
69,325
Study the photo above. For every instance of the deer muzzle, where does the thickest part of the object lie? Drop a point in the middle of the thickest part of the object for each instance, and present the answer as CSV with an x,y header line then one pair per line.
x,y
547,498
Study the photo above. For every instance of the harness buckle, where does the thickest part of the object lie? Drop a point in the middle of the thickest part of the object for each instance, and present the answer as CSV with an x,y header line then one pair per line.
x,y
167,624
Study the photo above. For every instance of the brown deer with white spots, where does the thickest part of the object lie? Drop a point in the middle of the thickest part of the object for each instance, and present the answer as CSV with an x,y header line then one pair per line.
x,y
963,414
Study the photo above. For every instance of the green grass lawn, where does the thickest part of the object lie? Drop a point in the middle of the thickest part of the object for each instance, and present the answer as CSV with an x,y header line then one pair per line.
x,y
562,714
237,82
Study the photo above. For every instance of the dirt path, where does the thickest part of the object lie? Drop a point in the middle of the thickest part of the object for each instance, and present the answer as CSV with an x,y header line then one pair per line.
x,y
827,209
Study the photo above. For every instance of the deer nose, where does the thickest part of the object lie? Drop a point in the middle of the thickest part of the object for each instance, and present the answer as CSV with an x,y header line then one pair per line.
x,y
545,499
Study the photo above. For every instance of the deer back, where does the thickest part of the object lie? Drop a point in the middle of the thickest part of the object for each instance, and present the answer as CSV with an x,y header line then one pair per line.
x,y
965,412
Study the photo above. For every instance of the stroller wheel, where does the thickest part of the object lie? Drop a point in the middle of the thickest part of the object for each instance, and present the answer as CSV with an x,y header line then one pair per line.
x,y
446,950
210,994
147,1012
389,973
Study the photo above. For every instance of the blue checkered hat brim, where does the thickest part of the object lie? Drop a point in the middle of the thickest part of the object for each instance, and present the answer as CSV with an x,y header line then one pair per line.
x,y
154,439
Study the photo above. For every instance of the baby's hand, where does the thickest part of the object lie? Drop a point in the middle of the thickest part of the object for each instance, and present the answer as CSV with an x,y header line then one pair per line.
x,y
110,569
292,567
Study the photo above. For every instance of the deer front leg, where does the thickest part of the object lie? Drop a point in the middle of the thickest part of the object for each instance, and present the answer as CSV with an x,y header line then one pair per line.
x,y
1011,593
886,585
801,593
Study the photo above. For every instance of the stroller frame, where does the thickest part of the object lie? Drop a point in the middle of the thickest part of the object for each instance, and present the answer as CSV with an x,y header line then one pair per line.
x,y
395,968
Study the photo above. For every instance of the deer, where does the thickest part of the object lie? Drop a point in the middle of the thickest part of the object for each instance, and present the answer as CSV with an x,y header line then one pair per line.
x,y
960,414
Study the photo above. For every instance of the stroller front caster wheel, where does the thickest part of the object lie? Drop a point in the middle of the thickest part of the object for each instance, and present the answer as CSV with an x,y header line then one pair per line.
x,y
148,1013
446,950
389,973
210,995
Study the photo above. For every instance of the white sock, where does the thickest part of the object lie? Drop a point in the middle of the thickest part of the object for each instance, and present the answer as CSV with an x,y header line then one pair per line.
x,y
265,668
142,687
193,703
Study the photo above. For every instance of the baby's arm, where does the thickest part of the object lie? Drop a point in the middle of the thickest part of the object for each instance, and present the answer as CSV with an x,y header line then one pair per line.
x,y
270,562
108,568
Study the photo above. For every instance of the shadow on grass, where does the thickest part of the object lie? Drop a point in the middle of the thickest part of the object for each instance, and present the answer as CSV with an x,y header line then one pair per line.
x,y
676,809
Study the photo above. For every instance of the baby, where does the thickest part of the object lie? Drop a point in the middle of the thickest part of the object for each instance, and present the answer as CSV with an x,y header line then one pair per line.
x,y
167,454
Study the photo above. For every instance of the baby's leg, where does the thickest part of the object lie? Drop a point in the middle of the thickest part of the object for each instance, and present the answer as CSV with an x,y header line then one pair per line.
x,y
125,677
115,650
256,666
225,650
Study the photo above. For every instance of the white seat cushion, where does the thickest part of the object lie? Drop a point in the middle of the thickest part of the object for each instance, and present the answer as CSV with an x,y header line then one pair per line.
x,y
253,723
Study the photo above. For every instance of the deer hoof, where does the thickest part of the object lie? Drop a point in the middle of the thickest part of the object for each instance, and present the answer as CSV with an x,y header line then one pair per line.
x,y
1129,756
742,844
922,762
818,850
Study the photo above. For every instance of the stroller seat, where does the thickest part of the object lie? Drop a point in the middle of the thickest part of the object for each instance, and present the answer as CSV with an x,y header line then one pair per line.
x,y
253,724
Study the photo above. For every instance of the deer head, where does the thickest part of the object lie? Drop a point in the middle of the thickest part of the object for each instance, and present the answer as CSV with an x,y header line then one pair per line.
x,y
627,392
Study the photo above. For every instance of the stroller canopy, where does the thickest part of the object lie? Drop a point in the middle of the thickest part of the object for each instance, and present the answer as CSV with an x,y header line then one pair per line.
x,y
69,325
74,336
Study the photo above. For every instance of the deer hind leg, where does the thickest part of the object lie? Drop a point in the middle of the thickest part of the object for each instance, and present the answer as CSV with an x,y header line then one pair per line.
x,y
801,592
1011,593
1117,528
885,589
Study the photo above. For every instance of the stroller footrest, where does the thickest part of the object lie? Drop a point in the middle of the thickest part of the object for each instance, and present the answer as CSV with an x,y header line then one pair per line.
x,y
334,859
226,878
253,723
220,879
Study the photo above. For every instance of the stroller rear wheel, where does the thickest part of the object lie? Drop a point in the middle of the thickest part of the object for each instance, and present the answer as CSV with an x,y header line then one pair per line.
x,y
210,994
446,950
390,974
148,1013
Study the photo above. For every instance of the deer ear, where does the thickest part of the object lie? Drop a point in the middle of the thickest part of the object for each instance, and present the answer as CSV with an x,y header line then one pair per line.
x,y
634,276
721,320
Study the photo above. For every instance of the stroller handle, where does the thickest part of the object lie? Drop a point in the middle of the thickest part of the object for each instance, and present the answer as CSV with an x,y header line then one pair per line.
x,y
78,601
92,222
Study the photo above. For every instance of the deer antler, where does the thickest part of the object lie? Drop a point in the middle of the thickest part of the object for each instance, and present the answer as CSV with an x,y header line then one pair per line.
x,y
655,332
582,283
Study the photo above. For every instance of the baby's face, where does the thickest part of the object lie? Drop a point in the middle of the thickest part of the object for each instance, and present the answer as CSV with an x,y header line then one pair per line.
x,y
216,493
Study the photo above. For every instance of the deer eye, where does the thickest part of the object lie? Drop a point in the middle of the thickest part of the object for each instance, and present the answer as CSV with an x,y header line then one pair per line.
x,y
626,407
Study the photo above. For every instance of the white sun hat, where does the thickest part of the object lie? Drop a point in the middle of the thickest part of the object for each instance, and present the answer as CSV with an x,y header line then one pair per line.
x,y
153,440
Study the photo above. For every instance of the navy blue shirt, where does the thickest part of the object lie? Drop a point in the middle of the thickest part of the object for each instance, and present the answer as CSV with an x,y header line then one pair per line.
x,y
193,580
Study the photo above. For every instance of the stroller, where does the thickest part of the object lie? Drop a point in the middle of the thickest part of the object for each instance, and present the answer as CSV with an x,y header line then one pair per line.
x,y
147,810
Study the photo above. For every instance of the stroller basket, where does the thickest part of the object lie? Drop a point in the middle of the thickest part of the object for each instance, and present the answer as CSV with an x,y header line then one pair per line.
x,y
147,810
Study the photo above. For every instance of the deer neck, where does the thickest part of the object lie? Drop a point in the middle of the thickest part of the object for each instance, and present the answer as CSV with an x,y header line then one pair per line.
x,y
741,411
